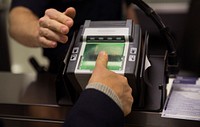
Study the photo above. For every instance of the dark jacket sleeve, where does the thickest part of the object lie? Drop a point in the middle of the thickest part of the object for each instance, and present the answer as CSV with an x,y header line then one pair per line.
x,y
37,6
95,109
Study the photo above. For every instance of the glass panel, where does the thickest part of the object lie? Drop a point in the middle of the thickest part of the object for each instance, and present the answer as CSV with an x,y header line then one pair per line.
x,y
115,55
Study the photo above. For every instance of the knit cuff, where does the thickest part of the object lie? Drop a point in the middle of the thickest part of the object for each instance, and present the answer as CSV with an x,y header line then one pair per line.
x,y
106,90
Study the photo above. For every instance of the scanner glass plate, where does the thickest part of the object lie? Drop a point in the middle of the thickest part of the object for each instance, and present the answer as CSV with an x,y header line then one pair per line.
x,y
115,55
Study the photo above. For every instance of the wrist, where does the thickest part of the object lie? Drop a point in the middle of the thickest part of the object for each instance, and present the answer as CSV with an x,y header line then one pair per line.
x,y
106,90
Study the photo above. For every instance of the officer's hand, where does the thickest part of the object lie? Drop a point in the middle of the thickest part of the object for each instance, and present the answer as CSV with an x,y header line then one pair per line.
x,y
54,26
116,82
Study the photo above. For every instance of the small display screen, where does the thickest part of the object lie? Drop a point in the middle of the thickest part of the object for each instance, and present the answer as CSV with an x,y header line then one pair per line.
x,y
115,55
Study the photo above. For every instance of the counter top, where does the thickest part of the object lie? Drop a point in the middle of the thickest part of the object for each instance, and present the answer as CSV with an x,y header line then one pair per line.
x,y
30,100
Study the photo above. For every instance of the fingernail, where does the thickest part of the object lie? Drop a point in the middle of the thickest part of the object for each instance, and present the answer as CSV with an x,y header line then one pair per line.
x,y
102,53
64,39
54,44
64,30
70,23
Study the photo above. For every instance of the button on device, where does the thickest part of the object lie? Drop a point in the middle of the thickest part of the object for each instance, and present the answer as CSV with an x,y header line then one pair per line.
x,y
109,38
73,57
75,50
118,38
133,50
131,58
101,38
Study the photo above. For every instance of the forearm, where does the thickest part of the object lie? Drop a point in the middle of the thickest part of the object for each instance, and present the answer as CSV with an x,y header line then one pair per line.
x,y
107,91
95,109
23,26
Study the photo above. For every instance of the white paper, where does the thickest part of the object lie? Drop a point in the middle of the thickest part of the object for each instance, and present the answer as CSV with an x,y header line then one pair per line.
x,y
183,101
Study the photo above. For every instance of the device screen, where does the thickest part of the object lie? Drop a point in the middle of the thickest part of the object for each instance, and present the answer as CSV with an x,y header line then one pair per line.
x,y
115,55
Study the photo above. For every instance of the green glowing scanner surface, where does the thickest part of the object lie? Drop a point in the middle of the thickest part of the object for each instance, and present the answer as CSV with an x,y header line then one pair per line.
x,y
115,55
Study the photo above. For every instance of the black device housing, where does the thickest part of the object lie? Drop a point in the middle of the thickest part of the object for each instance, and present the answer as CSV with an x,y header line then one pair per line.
x,y
149,84
132,68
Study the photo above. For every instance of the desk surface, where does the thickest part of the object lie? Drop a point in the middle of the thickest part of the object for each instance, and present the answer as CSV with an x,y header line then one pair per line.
x,y
30,100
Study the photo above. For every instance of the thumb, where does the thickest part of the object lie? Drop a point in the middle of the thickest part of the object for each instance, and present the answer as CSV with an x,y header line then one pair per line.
x,y
102,59
71,12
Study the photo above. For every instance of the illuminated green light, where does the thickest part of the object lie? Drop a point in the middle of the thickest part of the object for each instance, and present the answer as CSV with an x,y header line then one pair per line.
x,y
114,50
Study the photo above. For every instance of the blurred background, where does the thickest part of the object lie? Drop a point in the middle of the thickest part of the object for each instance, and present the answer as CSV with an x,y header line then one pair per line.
x,y
15,57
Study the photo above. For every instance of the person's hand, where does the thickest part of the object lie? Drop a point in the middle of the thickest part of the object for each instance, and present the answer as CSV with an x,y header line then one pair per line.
x,y
116,82
54,26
